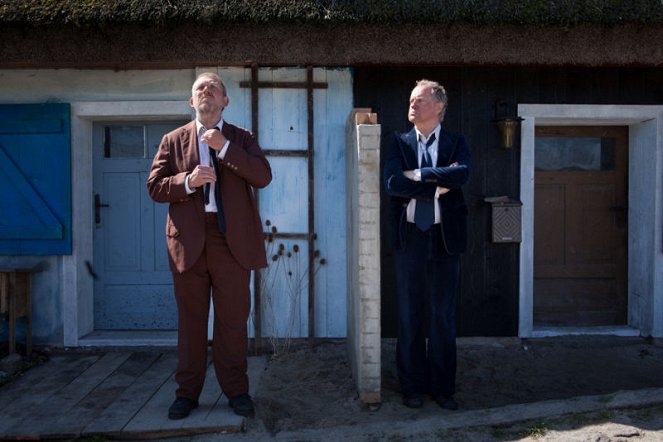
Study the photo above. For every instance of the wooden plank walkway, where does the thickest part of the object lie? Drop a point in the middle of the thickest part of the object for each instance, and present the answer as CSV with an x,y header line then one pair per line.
x,y
118,394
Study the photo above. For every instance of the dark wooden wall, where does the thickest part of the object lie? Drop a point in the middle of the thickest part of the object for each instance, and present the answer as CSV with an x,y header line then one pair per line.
x,y
488,294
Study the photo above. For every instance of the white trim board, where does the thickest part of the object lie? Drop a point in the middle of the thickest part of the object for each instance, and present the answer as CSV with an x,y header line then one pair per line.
x,y
645,214
76,286
547,332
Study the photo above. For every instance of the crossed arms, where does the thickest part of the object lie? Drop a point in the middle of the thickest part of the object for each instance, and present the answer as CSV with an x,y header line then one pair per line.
x,y
399,177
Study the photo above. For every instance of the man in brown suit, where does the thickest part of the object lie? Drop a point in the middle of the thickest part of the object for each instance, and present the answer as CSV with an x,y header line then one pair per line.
x,y
207,170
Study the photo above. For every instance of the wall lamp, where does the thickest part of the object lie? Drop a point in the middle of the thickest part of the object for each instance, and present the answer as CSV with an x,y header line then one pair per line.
x,y
506,125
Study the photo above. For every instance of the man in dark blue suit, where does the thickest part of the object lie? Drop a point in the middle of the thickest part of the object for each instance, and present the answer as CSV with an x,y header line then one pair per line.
x,y
423,173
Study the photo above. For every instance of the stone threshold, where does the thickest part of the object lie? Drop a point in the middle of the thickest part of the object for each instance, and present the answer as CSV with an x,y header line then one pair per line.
x,y
129,338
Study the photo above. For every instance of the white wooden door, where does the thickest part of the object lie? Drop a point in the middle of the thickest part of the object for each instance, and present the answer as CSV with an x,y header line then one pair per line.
x,y
305,199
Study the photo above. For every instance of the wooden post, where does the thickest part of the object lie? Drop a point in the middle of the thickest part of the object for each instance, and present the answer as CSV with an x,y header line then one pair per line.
x,y
16,301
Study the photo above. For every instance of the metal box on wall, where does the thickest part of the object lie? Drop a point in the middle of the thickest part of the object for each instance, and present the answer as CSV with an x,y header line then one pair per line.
x,y
506,219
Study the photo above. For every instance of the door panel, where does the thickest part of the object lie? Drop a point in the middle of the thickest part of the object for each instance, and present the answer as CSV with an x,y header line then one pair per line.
x,y
580,226
285,201
136,307
583,302
122,245
284,130
592,209
549,219
158,226
283,111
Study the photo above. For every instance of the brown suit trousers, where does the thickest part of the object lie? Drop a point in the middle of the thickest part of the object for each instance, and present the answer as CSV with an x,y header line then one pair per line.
x,y
216,269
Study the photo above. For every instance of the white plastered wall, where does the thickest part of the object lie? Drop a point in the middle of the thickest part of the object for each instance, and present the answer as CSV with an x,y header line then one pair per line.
x,y
645,214
102,95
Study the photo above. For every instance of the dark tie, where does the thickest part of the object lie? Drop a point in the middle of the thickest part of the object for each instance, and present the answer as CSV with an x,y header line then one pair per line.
x,y
424,212
206,188
217,190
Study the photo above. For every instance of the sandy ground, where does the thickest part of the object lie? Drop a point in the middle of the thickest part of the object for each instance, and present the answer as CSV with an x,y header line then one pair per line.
x,y
308,393
312,388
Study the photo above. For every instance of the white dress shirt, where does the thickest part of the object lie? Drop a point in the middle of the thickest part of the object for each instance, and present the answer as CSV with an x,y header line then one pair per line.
x,y
432,152
204,153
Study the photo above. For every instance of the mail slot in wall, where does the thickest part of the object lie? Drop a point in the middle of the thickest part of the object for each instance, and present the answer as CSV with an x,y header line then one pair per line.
x,y
506,219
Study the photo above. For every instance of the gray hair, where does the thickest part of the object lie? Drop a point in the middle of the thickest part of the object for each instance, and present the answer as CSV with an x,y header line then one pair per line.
x,y
438,93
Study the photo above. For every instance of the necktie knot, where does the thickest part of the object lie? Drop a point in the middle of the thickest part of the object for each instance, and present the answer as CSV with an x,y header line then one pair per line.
x,y
203,129
430,141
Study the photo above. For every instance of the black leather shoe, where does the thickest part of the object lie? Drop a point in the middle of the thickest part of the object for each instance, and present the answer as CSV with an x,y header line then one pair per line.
x,y
448,403
242,405
181,408
413,400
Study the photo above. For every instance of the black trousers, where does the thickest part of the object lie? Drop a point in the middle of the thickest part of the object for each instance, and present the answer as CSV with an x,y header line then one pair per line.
x,y
424,270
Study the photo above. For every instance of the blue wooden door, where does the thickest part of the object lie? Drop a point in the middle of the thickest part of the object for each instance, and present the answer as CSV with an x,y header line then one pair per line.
x,y
35,171
133,289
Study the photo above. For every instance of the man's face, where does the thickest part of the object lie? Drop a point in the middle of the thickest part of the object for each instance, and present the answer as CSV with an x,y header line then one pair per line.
x,y
207,96
424,110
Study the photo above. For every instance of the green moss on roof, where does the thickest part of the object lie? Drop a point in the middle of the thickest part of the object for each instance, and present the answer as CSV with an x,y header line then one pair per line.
x,y
88,13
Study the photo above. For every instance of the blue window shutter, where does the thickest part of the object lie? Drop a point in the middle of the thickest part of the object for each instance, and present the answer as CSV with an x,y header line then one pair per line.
x,y
35,172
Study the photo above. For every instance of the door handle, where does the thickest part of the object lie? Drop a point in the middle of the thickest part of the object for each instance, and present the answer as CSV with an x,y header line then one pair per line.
x,y
621,214
98,205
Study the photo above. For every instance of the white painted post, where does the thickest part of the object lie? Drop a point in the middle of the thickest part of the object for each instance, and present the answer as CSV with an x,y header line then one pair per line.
x,y
363,204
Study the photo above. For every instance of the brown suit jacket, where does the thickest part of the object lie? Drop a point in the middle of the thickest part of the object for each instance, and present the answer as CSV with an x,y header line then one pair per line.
x,y
243,168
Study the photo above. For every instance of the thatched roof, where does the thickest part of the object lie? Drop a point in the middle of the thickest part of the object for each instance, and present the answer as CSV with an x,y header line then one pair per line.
x,y
126,34
480,12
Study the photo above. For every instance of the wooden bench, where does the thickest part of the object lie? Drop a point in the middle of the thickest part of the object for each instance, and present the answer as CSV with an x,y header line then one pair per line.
x,y
16,302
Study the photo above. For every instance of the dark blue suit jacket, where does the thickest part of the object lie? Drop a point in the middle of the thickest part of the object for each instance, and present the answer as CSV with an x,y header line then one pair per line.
x,y
402,155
